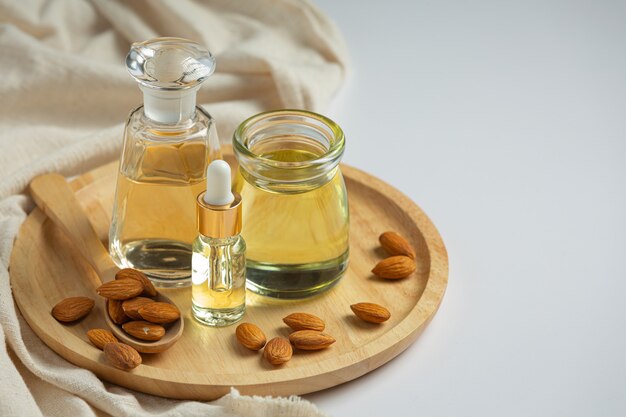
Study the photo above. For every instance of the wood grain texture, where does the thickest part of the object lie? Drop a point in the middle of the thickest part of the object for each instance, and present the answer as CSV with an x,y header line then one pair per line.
x,y
206,362
56,199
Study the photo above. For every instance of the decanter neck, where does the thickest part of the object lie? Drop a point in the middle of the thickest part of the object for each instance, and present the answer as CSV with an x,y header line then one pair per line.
x,y
169,106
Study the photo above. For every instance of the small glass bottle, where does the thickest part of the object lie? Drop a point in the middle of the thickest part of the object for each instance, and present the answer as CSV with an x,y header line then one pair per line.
x,y
168,143
296,218
218,262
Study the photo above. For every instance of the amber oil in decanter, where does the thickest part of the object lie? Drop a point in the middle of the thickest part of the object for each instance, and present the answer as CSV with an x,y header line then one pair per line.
x,y
168,143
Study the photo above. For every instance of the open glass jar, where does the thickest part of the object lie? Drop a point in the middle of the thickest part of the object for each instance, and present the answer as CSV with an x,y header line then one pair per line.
x,y
296,219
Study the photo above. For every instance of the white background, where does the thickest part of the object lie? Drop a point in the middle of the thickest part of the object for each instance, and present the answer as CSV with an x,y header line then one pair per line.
x,y
506,122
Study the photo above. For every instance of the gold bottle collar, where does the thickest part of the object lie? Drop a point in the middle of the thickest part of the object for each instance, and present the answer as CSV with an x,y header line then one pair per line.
x,y
218,221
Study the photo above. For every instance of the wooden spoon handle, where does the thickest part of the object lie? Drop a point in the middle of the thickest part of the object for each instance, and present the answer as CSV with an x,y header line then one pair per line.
x,y
55,198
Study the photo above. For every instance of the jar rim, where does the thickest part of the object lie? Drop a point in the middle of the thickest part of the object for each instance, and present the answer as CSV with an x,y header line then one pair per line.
x,y
333,153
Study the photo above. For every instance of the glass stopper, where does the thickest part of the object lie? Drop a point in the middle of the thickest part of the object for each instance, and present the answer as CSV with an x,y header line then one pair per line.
x,y
169,63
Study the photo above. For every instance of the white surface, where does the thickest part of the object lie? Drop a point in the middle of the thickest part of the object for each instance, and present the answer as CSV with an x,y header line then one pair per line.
x,y
506,123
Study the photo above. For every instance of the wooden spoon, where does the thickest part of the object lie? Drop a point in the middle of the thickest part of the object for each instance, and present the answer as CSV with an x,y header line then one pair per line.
x,y
55,198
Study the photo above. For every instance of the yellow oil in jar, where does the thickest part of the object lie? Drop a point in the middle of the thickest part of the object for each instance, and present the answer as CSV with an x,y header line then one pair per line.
x,y
297,242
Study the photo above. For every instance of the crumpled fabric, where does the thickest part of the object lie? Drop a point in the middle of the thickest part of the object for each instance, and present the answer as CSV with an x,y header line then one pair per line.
x,y
64,97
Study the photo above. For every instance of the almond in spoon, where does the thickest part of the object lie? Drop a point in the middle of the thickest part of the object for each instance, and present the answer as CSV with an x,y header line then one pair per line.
x,y
131,307
144,330
116,311
121,289
129,273
159,312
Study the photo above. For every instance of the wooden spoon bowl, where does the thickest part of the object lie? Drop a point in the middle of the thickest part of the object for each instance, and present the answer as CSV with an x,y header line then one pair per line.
x,y
55,198
173,332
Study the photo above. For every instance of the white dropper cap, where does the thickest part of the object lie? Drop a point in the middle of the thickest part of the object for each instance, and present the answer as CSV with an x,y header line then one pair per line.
x,y
218,184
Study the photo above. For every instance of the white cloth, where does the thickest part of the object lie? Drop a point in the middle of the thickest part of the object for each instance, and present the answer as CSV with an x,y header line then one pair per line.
x,y
64,95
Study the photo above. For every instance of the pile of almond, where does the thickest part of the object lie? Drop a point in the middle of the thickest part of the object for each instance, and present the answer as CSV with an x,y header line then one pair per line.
x,y
308,329
130,304
401,263
308,335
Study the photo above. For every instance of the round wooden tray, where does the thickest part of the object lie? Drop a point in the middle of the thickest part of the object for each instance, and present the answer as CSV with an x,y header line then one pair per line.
x,y
206,362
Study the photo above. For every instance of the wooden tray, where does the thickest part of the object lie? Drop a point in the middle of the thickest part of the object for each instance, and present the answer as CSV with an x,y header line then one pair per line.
x,y
206,362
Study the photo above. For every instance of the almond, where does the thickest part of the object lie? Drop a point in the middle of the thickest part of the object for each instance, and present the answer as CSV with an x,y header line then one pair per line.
x,y
129,273
159,313
278,351
304,321
395,267
310,340
72,309
395,244
144,330
121,289
116,312
250,336
122,356
100,337
370,312
132,306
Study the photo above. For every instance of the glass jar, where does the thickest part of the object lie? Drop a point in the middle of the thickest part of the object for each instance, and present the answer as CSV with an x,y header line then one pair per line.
x,y
296,219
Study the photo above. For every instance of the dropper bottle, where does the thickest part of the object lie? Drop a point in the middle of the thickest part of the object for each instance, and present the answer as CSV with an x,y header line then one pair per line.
x,y
218,263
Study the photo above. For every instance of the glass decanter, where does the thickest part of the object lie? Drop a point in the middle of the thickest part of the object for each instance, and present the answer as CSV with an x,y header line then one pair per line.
x,y
168,143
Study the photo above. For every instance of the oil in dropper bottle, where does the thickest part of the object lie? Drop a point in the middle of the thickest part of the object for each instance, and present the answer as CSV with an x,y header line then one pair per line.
x,y
218,263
